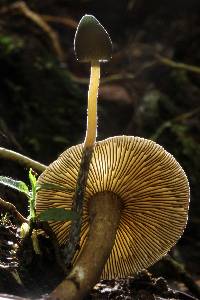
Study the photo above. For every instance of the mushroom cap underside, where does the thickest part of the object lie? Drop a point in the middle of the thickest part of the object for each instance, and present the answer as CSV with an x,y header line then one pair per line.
x,y
153,188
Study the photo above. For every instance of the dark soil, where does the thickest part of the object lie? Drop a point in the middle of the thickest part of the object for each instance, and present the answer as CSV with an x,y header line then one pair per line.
x,y
29,275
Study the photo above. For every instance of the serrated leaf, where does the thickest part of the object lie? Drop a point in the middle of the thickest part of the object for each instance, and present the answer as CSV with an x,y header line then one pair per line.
x,y
32,178
52,186
57,214
15,184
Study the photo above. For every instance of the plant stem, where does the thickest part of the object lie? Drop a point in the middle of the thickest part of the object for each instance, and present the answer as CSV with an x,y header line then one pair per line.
x,y
21,159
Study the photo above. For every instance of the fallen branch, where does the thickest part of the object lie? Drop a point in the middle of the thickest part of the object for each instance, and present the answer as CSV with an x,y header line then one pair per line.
x,y
9,207
177,65
169,123
22,7
21,159
12,297
66,21
115,77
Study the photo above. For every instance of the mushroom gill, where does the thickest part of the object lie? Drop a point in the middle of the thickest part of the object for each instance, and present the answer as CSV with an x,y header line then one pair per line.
x,y
151,186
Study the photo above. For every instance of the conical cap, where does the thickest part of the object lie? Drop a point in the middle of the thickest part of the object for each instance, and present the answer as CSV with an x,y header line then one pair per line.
x,y
92,42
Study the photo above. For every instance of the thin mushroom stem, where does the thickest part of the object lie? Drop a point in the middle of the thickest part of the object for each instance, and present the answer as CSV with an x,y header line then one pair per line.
x,y
74,234
104,216
90,138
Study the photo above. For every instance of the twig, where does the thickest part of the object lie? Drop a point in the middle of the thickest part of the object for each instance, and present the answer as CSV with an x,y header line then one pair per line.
x,y
115,77
21,159
13,297
178,65
169,123
39,21
13,211
69,22
74,234
108,79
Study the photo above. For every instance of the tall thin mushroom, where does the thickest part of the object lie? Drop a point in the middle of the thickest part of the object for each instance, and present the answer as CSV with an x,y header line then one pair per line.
x,y
135,209
92,44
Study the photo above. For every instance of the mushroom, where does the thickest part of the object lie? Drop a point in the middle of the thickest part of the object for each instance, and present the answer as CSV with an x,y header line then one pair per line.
x,y
135,206
92,44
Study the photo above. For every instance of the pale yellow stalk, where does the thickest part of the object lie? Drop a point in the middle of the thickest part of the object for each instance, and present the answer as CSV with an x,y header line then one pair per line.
x,y
91,132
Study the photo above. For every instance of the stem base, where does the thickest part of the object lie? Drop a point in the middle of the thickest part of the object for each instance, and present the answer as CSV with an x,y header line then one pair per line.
x,y
104,214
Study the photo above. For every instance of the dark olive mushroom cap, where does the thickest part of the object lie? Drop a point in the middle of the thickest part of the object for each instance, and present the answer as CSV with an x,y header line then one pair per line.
x,y
154,192
92,42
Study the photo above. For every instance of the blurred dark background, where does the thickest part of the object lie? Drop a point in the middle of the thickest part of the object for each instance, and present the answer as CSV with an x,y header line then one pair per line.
x,y
150,88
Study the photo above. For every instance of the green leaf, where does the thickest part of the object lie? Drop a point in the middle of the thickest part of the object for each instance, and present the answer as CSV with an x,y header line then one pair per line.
x,y
53,187
32,197
57,214
32,178
15,184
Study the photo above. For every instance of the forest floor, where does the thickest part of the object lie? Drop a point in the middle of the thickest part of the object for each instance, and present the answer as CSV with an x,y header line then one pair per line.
x,y
32,275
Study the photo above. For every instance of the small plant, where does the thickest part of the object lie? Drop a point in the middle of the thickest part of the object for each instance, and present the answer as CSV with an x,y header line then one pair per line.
x,y
50,214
